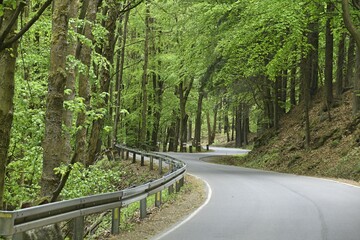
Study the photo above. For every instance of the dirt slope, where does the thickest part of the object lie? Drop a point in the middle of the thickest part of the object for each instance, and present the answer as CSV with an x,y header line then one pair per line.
x,y
335,143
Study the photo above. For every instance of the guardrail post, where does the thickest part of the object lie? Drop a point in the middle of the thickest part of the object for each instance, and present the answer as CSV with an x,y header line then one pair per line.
x,y
142,160
123,154
78,228
143,208
182,181
115,221
160,166
158,196
134,157
190,149
171,189
127,154
151,167
177,186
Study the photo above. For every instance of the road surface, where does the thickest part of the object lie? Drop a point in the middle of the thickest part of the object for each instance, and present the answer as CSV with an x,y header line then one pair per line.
x,y
247,204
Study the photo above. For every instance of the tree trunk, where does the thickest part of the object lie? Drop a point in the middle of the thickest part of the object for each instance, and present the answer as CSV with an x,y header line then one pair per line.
x,y
84,52
313,40
208,127
227,126
293,87
105,79
350,66
197,137
305,76
119,79
144,109
340,66
329,50
53,138
183,93
356,94
355,33
238,127
70,85
7,87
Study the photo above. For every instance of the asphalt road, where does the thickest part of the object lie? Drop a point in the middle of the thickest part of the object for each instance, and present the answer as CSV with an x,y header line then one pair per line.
x,y
247,204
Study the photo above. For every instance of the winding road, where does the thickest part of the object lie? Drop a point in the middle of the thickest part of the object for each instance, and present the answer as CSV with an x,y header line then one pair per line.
x,y
247,204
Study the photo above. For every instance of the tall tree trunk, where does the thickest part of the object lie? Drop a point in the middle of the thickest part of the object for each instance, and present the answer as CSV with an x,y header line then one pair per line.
x,y
313,40
329,50
213,132
227,126
340,66
293,87
184,90
305,76
198,121
238,127
70,85
53,138
355,33
84,53
284,86
7,86
119,79
276,102
208,121
144,109
105,79
350,66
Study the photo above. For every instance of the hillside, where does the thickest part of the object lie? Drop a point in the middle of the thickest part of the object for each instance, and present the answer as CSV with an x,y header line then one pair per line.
x,y
335,144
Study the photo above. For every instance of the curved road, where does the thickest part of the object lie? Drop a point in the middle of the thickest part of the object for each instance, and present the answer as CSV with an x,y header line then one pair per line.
x,y
249,204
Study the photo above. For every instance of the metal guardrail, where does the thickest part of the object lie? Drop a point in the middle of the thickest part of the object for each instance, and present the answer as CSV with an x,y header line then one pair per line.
x,y
14,223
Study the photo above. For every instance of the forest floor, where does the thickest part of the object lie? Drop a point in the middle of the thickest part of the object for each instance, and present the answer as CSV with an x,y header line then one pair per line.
x,y
176,209
334,150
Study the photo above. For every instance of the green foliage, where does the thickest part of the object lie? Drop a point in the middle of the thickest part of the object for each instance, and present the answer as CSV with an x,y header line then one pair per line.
x,y
93,180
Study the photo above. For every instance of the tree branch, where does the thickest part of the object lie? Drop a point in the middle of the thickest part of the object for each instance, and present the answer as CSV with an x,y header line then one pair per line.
x,y
12,23
348,23
26,27
129,7
64,179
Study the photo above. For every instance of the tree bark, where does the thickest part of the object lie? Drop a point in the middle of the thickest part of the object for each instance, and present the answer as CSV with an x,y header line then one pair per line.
x,y
105,79
355,33
144,109
340,66
329,50
84,53
53,138
70,85
7,87
119,80
349,70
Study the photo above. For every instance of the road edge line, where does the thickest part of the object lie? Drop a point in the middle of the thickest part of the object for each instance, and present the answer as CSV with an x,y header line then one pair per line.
x,y
188,218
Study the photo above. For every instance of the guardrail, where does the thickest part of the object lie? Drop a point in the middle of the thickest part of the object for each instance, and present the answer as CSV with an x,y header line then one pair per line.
x,y
14,223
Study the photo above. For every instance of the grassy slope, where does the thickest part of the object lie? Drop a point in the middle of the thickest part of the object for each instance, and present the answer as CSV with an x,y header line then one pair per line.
x,y
335,144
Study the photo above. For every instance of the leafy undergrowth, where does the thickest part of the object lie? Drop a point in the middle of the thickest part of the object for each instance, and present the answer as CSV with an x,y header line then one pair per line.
x,y
334,150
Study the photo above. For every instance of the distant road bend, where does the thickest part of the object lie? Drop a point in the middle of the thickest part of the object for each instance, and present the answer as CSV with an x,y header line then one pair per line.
x,y
248,204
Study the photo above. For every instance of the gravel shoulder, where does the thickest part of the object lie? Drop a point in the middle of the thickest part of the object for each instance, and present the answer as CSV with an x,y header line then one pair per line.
x,y
190,198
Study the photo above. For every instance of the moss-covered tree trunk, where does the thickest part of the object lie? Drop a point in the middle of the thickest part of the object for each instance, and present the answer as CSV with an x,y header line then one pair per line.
x,y
84,52
105,79
7,86
53,138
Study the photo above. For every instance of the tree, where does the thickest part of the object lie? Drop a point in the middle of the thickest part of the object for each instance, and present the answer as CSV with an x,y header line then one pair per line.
x,y
53,138
355,33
